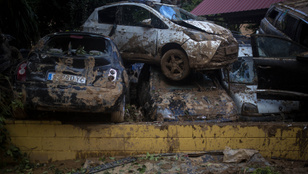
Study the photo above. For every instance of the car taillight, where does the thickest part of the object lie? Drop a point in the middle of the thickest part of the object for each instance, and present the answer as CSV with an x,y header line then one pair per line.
x,y
21,73
112,75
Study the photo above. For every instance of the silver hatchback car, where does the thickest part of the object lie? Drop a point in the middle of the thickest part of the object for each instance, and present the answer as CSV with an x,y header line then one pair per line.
x,y
164,34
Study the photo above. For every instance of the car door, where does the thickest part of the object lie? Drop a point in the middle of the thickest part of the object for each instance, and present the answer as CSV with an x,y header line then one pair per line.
x,y
136,40
278,67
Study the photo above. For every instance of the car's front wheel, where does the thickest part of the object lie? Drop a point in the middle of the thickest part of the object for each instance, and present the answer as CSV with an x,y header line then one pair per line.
x,y
118,116
175,65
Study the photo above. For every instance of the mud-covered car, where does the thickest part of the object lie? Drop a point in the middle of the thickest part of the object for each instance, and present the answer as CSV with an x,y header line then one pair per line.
x,y
74,71
240,80
268,81
199,98
166,35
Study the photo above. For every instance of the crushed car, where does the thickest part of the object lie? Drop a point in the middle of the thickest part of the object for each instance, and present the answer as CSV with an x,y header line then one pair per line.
x,y
240,80
287,19
74,71
245,84
165,35
201,98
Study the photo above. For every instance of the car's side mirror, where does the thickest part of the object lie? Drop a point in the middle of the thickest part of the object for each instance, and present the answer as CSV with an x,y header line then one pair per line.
x,y
302,57
147,23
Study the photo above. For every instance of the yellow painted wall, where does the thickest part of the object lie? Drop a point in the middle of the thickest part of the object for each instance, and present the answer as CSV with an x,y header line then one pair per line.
x,y
45,140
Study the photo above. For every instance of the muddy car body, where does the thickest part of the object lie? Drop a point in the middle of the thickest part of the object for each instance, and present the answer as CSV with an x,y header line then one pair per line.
x,y
163,34
288,19
74,71
200,98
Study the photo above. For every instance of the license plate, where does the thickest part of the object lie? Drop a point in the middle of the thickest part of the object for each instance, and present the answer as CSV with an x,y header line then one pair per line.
x,y
66,78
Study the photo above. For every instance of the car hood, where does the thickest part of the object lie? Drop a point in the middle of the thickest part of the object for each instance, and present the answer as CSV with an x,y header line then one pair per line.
x,y
204,105
208,27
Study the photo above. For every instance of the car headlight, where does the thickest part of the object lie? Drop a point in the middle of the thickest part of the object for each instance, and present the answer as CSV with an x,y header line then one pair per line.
x,y
196,35
249,109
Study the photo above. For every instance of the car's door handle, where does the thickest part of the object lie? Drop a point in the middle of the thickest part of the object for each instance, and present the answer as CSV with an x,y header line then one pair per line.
x,y
265,67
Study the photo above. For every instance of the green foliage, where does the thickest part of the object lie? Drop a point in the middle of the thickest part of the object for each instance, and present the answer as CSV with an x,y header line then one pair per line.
x,y
189,5
8,103
62,15
18,20
142,169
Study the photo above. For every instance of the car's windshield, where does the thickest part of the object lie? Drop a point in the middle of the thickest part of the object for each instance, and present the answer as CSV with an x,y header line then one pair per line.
x,y
242,71
171,12
78,45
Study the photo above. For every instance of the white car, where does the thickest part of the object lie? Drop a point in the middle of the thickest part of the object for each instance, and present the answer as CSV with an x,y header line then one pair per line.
x,y
164,34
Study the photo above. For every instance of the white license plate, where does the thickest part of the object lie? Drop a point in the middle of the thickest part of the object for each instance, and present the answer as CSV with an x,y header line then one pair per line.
x,y
66,77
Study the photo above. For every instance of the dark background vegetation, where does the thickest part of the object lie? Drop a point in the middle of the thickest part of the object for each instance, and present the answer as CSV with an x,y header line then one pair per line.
x,y
28,20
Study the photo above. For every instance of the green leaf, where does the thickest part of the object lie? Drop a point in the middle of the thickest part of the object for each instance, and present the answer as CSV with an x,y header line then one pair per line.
x,y
143,169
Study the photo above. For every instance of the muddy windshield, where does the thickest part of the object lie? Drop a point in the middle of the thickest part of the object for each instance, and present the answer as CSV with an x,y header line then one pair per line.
x,y
78,45
170,12
242,71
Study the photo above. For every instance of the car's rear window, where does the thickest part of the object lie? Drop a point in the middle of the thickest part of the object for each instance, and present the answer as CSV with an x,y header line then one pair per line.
x,y
78,45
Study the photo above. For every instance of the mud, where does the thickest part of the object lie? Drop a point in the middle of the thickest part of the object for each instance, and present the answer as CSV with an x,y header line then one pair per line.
x,y
209,162
198,98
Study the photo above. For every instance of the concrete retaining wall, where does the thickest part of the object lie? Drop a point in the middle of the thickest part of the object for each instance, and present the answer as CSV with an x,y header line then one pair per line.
x,y
45,140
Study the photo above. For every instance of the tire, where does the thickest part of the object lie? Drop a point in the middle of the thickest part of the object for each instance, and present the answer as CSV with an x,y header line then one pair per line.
x,y
175,65
118,116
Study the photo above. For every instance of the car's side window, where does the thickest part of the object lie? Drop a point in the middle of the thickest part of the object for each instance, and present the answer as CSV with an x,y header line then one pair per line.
x,y
272,15
134,15
157,23
276,47
303,36
287,24
108,15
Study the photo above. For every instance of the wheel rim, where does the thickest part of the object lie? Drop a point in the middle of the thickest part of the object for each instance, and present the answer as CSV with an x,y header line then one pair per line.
x,y
175,66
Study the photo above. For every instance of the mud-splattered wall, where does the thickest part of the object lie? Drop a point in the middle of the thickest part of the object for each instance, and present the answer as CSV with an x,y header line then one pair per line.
x,y
45,140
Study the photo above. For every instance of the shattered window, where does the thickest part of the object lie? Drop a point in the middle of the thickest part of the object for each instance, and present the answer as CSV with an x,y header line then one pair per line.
x,y
78,45
107,16
134,15
242,71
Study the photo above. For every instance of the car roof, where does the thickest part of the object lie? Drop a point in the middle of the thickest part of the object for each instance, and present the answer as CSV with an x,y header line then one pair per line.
x,y
78,33
298,8
148,3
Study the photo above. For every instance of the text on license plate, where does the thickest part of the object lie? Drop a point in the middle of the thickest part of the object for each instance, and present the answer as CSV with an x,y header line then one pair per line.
x,y
66,77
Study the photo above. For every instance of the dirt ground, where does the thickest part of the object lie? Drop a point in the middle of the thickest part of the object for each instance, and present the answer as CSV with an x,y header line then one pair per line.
x,y
168,163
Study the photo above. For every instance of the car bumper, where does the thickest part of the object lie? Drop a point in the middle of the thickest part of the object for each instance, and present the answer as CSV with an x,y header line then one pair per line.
x,y
74,99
